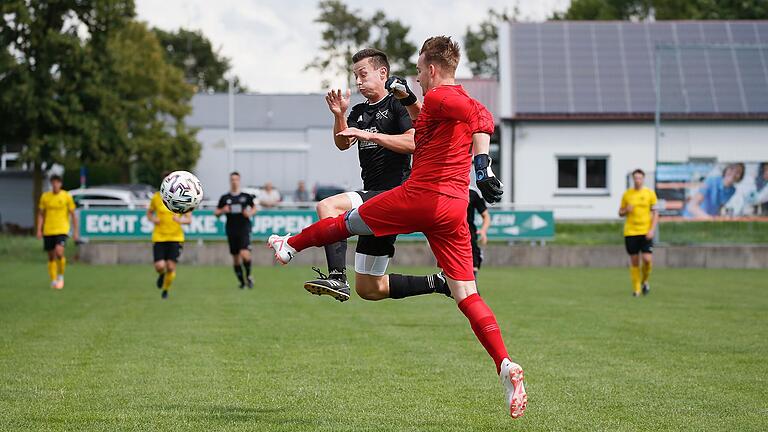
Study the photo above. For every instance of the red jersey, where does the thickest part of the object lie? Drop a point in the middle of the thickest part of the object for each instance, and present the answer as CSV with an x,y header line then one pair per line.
x,y
444,128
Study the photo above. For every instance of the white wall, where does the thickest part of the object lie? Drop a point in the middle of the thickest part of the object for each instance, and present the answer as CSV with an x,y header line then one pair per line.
x,y
282,157
628,146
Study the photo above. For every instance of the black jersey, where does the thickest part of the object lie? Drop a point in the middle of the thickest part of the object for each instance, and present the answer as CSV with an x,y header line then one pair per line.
x,y
236,221
476,204
381,168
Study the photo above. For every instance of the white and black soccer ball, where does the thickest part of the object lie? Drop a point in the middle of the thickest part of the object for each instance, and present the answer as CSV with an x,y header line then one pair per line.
x,y
181,191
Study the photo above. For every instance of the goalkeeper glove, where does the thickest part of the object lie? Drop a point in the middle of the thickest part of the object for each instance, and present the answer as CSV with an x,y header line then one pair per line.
x,y
398,86
490,187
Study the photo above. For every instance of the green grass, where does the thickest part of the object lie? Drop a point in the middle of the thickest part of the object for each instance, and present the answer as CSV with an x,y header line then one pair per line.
x,y
671,233
107,354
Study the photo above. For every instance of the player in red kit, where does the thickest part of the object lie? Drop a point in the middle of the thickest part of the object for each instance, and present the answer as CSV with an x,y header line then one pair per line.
x,y
450,128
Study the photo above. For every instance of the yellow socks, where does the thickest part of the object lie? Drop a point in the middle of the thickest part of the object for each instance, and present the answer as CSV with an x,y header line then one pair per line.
x,y
52,270
647,267
636,278
168,280
61,264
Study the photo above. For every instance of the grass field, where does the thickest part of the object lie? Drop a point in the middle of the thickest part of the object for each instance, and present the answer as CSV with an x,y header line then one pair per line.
x,y
107,354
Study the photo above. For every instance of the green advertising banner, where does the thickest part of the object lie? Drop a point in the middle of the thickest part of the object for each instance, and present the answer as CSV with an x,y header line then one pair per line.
x,y
112,223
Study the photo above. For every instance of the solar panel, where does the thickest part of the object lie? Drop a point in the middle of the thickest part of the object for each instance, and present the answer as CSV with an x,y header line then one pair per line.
x,y
610,67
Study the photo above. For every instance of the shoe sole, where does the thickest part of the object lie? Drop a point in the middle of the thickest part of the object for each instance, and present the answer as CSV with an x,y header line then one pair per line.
x,y
321,290
520,398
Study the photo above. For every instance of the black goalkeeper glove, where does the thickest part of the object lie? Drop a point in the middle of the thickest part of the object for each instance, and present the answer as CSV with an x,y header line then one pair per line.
x,y
489,185
398,86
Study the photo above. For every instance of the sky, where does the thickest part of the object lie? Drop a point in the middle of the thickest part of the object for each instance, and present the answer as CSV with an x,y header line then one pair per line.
x,y
270,41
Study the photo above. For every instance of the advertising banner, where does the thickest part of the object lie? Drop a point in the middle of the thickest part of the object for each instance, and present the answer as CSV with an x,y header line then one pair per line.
x,y
713,191
116,223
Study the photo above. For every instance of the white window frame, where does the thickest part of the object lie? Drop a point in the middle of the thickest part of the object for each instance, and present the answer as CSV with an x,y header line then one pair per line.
x,y
581,175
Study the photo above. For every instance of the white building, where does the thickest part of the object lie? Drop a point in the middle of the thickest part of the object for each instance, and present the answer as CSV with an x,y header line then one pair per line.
x,y
281,138
578,103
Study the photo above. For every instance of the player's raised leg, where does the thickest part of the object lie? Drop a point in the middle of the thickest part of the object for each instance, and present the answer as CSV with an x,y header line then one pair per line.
x,y
335,284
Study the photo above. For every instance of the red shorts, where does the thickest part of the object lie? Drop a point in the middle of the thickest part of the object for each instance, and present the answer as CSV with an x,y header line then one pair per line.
x,y
442,219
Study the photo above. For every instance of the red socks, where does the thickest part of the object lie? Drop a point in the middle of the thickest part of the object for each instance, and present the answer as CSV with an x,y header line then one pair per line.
x,y
486,328
321,233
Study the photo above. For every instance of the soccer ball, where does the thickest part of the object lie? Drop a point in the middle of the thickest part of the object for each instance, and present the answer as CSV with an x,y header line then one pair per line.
x,y
181,191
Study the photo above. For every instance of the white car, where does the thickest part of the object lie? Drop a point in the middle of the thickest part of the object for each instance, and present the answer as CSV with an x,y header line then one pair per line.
x,y
105,197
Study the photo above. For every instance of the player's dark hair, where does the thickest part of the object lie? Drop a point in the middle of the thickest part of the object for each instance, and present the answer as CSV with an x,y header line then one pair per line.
x,y
736,165
377,58
56,177
441,51
638,171
234,173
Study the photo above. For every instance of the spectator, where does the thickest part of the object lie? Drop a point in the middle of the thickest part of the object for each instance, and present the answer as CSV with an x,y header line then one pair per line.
x,y
301,194
761,185
716,191
270,196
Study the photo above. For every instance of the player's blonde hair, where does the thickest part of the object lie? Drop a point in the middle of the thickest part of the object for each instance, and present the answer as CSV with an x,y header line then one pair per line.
x,y
443,52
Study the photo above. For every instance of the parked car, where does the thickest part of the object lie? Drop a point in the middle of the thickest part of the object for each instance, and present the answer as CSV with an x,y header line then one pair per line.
x,y
324,191
106,197
141,191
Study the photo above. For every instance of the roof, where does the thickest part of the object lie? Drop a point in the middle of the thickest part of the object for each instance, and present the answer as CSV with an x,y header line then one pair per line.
x,y
575,70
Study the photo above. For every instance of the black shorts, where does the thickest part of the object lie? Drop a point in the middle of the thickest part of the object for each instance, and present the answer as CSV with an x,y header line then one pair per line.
x,y
50,242
372,245
239,240
477,254
166,251
638,244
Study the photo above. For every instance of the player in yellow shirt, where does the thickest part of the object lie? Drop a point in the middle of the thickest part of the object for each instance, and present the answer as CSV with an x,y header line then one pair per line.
x,y
53,222
167,240
638,205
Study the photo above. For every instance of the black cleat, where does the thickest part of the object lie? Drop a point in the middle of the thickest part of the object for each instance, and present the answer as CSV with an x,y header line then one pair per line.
x,y
646,288
160,279
242,285
164,294
334,285
441,285
249,282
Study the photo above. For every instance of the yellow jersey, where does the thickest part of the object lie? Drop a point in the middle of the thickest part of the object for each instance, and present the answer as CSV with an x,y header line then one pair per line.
x,y
639,220
167,229
56,208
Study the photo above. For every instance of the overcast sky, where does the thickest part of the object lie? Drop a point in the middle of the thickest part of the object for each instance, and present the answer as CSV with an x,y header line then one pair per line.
x,y
270,41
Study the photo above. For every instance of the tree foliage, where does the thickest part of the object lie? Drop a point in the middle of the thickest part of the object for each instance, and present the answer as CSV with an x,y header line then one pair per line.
x,y
82,82
192,52
482,45
664,10
346,31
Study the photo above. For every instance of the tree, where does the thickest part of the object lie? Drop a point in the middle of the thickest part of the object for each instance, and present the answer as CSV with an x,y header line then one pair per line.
x,y
390,36
151,101
193,53
45,68
482,46
664,10
346,31
82,82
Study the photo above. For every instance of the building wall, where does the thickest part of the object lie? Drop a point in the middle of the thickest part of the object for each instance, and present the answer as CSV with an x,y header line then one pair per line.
x,y
16,205
628,145
281,157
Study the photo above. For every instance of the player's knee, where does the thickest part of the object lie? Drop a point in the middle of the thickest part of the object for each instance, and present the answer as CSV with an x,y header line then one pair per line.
x,y
170,265
245,254
369,288
326,208
160,266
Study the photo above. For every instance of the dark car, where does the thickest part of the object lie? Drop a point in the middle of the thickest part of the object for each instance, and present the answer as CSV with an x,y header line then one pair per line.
x,y
324,191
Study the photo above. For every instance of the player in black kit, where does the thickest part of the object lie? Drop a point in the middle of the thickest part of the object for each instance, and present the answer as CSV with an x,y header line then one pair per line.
x,y
382,130
477,204
239,208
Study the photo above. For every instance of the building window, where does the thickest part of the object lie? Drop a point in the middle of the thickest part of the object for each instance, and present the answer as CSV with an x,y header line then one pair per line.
x,y
582,174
